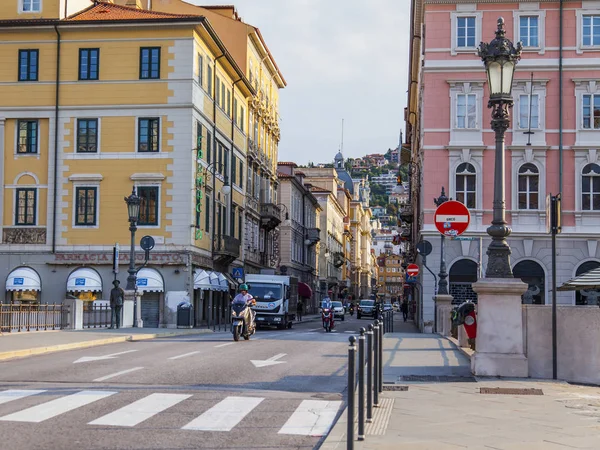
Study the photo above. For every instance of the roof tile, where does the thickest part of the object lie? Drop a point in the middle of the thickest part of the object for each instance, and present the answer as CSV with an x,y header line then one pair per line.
x,y
108,11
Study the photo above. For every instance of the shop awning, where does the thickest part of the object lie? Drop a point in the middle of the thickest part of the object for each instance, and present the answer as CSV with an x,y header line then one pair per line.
x,y
150,280
223,281
23,279
84,280
589,280
202,280
215,281
232,282
304,290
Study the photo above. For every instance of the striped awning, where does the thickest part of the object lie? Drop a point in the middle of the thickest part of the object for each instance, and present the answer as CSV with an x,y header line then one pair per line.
x,y
588,280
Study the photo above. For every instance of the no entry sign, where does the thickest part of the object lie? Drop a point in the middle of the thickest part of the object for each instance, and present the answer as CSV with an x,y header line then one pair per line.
x,y
412,270
452,218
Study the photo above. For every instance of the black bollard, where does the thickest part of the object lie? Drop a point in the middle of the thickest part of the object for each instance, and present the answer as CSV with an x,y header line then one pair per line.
x,y
361,385
370,373
380,360
351,385
376,336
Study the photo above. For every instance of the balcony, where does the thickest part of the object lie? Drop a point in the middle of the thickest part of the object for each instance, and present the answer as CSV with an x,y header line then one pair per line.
x,y
313,235
406,213
270,215
252,148
227,249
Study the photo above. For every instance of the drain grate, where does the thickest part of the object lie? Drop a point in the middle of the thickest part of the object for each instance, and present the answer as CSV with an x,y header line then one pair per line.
x,y
394,387
510,391
436,379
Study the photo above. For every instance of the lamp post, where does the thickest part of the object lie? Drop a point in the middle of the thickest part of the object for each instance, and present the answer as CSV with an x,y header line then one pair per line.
x,y
442,283
500,58
133,210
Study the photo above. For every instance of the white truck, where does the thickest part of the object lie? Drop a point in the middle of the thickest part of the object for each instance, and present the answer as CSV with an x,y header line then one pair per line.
x,y
276,299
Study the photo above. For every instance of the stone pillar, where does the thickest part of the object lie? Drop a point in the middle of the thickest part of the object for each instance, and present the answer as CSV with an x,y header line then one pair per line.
x,y
127,311
443,310
463,339
76,313
139,321
499,328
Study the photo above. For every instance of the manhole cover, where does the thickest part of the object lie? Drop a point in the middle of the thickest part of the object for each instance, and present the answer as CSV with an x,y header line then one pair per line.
x,y
510,391
436,379
394,387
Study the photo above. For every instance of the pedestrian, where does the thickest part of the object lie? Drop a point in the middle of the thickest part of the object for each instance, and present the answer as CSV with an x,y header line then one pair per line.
x,y
299,310
404,309
116,304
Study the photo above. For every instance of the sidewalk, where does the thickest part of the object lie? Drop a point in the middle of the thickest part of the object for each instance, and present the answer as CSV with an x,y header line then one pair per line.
x,y
443,407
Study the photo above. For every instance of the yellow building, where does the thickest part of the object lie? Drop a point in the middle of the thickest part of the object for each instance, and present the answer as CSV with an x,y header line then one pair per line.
x,y
115,97
391,277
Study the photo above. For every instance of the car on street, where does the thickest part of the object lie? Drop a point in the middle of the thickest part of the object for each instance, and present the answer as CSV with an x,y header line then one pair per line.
x,y
339,312
388,307
366,308
397,306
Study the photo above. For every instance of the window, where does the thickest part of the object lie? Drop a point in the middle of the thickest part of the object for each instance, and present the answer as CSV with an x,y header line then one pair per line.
x,y
241,173
222,102
26,206
85,205
466,111
591,30
209,142
465,32
242,118
148,205
465,184
591,111
28,136
199,137
232,221
234,169
87,135
228,102
28,65
235,112
240,222
200,69
209,79
525,107
529,31
528,186
88,63
31,5
149,63
218,90
590,188
207,215
148,135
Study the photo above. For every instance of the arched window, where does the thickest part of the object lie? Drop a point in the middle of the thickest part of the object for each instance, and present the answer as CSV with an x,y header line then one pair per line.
x,y
590,188
586,297
529,182
532,274
465,184
463,274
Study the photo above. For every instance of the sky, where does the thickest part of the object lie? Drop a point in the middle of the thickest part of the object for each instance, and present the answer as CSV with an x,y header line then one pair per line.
x,y
342,59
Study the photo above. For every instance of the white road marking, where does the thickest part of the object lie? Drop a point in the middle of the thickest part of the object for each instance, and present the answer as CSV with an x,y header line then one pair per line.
x,y
99,358
107,377
312,418
57,406
269,362
314,329
184,355
137,412
224,415
16,394
224,345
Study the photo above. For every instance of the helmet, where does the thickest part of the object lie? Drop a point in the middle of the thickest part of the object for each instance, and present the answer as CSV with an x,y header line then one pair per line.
x,y
243,287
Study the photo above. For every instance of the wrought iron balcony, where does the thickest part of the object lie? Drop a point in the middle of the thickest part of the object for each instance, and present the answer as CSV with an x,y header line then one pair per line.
x,y
227,249
313,235
406,213
270,215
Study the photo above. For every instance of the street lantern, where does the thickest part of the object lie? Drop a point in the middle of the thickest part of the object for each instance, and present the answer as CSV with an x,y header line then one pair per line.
x,y
133,206
500,58
226,188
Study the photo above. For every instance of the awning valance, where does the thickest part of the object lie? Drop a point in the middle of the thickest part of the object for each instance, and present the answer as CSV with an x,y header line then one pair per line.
x,y
214,281
589,280
149,280
304,290
84,280
23,279
202,280
223,282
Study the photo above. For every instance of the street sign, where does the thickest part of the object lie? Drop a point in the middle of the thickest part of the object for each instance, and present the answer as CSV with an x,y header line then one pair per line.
x,y
424,248
238,273
464,238
116,258
452,218
147,243
412,270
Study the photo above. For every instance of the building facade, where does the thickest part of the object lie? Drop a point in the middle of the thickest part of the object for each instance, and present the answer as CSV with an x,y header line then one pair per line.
x,y
391,277
551,142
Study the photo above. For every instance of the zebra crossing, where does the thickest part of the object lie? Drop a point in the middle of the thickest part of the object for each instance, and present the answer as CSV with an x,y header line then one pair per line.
x,y
310,418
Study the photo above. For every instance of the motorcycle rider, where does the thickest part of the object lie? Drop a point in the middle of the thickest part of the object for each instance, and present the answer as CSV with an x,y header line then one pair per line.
x,y
326,303
245,298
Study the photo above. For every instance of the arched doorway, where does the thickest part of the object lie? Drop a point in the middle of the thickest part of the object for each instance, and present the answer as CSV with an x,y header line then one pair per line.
x,y
532,274
463,274
586,297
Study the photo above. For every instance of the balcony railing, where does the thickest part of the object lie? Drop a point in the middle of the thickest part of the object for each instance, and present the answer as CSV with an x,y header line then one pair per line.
x,y
227,248
313,235
270,215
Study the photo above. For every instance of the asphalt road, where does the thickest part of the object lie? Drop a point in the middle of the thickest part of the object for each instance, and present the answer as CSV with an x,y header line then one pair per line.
x,y
282,389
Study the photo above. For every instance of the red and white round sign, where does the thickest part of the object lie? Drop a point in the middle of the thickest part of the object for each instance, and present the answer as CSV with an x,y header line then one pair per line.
x,y
412,270
452,218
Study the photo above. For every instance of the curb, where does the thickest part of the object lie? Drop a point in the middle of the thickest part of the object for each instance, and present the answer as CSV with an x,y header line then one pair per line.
x,y
465,351
86,344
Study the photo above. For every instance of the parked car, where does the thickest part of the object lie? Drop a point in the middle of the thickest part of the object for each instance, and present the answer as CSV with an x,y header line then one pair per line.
x,y
396,306
388,307
366,308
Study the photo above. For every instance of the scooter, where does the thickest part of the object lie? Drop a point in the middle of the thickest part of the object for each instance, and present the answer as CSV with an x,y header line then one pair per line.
x,y
327,316
242,323
351,310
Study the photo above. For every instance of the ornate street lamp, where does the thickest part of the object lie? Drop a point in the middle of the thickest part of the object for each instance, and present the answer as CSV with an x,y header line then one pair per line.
x,y
442,283
133,211
500,58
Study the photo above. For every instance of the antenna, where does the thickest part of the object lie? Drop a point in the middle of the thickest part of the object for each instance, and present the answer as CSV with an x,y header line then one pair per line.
x,y
529,132
342,144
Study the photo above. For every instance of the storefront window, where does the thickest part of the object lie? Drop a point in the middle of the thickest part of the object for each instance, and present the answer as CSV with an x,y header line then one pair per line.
x,y
25,297
86,296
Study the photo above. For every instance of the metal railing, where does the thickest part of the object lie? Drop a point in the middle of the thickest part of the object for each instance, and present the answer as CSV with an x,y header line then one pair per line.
x,y
33,317
96,316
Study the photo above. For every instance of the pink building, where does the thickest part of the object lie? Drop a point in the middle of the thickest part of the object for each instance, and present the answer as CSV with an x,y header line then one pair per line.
x,y
556,92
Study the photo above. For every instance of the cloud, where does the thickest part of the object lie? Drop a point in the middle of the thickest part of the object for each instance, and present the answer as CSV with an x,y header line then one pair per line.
x,y
342,59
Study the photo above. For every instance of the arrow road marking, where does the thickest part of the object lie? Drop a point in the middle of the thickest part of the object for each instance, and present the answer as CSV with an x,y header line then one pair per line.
x,y
269,362
99,358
